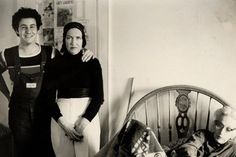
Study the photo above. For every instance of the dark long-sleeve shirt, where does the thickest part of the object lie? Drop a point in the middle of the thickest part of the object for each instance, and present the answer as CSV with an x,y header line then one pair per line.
x,y
69,75
203,144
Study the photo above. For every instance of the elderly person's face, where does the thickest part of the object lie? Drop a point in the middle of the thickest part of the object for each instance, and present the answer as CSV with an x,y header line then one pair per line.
x,y
74,41
224,128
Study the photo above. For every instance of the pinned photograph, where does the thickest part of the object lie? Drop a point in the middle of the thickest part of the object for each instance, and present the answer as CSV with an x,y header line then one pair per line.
x,y
48,14
48,36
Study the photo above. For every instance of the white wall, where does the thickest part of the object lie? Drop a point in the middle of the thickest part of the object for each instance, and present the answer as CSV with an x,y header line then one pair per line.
x,y
7,39
103,56
8,36
166,42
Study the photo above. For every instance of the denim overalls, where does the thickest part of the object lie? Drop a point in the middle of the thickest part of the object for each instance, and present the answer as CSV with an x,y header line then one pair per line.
x,y
28,138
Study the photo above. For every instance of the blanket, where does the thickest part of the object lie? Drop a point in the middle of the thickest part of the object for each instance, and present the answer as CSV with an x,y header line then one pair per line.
x,y
133,140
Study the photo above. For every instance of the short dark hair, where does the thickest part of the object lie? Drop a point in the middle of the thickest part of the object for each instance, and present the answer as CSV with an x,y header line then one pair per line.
x,y
25,13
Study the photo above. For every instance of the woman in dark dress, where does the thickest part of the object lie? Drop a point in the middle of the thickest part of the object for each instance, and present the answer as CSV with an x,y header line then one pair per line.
x,y
79,88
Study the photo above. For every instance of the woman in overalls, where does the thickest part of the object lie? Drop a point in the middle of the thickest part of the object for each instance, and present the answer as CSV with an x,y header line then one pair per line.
x,y
29,115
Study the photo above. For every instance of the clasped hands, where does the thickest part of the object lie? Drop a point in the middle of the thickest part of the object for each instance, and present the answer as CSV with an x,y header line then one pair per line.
x,y
74,131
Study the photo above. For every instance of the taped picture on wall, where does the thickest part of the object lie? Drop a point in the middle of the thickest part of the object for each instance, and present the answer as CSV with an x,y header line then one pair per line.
x,y
64,12
48,36
48,14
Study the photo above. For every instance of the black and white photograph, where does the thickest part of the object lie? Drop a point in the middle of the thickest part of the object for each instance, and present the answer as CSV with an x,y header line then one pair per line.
x,y
117,78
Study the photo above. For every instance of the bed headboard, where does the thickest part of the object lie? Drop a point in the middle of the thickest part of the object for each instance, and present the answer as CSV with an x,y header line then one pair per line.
x,y
174,112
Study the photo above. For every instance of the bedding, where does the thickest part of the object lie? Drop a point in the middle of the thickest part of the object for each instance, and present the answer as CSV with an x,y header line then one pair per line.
x,y
133,140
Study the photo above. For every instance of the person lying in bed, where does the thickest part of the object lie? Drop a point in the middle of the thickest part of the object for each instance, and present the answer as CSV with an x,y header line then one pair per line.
x,y
134,140
221,142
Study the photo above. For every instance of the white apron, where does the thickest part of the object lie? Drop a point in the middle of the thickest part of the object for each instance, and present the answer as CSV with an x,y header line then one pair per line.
x,y
71,108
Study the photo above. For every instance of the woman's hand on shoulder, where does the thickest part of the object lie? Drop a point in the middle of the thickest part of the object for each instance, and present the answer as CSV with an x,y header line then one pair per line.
x,y
87,55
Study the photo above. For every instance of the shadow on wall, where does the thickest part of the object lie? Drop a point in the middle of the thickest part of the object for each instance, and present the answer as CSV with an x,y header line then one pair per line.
x,y
104,123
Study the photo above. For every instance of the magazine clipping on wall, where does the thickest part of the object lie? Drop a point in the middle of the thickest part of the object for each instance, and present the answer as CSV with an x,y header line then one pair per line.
x,y
57,13
48,14
64,12
48,36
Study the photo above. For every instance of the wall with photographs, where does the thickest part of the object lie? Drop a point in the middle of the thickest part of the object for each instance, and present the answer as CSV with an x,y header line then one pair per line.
x,y
56,13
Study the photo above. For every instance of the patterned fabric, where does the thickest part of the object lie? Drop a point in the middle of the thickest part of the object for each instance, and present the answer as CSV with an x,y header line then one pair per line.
x,y
141,146
133,140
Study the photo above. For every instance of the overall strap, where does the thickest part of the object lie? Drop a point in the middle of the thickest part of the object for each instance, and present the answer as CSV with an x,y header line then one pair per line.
x,y
44,59
17,62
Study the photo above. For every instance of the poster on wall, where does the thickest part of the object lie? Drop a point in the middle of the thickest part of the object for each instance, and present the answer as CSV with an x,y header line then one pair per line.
x,y
57,13
48,36
64,12
48,14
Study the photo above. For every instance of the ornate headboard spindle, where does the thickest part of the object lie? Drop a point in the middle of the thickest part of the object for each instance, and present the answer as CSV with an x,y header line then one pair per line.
x,y
182,120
